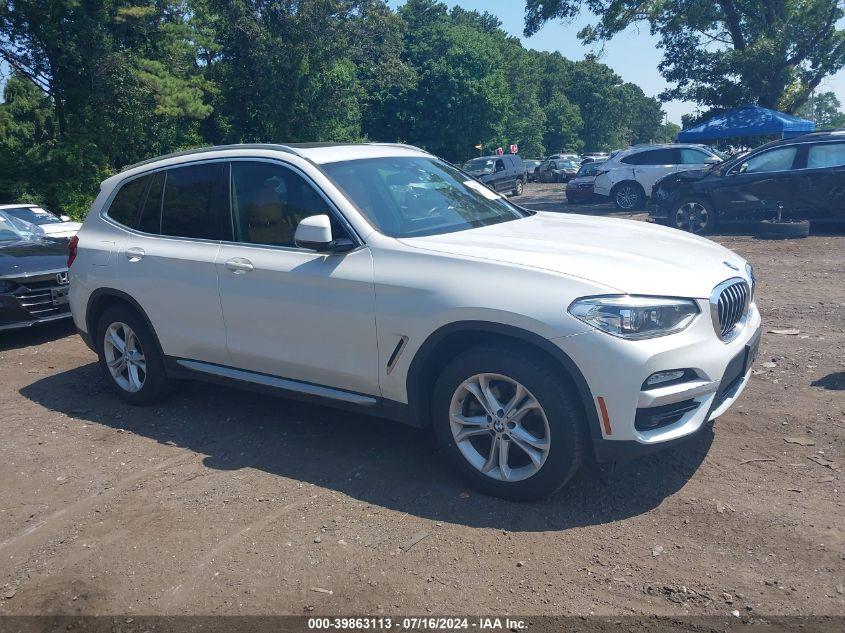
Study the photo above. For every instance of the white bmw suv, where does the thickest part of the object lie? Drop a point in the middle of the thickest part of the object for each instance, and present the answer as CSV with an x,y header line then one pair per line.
x,y
628,176
381,279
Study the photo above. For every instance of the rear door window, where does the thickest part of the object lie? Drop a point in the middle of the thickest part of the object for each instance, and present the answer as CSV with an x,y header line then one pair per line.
x,y
196,202
126,204
653,157
826,155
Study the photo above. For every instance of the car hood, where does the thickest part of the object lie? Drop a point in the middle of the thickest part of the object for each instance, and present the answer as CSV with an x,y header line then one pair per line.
x,y
625,255
684,176
25,258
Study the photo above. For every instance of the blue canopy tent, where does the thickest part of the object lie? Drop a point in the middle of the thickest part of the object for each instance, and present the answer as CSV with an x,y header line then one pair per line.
x,y
750,120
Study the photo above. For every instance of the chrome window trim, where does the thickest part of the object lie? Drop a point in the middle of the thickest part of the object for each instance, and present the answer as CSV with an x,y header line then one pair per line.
x,y
103,213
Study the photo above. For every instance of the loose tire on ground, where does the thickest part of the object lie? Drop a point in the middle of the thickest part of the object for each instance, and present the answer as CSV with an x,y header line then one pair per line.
x,y
773,230
122,322
453,404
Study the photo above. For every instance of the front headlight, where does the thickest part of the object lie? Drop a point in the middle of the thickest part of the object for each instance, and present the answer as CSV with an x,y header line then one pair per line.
x,y
7,286
635,318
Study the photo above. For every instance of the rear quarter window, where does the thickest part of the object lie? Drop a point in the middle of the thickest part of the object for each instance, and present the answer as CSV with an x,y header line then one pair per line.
x,y
826,155
126,204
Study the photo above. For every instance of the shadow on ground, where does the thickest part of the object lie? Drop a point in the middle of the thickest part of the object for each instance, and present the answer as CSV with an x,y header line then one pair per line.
x,y
35,335
832,382
375,461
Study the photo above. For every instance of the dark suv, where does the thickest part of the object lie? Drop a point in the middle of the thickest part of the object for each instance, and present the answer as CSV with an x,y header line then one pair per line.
x,y
804,175
501,173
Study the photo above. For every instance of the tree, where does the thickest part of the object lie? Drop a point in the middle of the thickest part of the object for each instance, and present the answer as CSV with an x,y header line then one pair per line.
x,y
825,110
724,53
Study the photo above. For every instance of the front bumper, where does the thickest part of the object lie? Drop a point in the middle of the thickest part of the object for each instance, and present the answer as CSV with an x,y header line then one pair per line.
x,y
37,299
632,419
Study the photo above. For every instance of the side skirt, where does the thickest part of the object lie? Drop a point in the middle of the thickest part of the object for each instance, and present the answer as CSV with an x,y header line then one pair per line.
x,y
187,369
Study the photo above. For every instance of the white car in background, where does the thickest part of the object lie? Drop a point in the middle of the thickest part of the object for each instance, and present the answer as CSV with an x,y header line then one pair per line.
x,y
628,176
381,279
52,225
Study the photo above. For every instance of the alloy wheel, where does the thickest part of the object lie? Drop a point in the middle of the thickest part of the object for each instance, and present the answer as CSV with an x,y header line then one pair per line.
x,y
499,427
124,357
692,217
627,197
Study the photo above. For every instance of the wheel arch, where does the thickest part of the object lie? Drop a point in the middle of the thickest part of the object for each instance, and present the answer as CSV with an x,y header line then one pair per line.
x,y
104,298
451,340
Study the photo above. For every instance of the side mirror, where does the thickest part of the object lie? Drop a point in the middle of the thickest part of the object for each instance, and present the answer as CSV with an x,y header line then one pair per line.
x,y
315,233
64,218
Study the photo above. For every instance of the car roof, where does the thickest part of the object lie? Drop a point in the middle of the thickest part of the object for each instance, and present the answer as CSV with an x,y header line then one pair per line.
x,y
318,153
23,205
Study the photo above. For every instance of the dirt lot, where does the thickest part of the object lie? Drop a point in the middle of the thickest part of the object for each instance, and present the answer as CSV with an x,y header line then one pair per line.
x,y
221,501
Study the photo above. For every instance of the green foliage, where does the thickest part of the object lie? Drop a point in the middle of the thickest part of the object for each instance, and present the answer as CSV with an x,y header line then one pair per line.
x,y
727,53
99,84
825,110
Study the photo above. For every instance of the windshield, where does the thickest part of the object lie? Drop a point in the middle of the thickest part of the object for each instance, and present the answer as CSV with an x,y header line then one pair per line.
x,y
13,229
480,164
34,215
413,196
589,169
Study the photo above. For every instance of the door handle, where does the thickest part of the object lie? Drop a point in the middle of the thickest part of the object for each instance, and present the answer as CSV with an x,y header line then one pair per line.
x,y
135,254
239,265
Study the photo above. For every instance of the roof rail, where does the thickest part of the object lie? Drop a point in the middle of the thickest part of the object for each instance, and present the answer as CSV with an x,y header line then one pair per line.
x,y
405,145
212,148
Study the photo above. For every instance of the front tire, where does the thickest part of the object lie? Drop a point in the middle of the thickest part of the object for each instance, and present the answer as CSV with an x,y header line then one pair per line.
x,y
129,356
506,424
628,196
694,215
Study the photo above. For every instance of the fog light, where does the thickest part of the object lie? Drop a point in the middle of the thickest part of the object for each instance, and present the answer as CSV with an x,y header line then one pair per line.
x,y
658,378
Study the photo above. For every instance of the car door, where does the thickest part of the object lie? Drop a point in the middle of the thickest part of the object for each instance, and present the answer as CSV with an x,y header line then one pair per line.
x,y
652,165
756,186
825,180
291,312
500,175
168,263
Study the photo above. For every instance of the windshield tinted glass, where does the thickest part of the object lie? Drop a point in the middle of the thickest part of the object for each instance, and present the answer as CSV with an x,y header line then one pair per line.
x,y
13,229
412,196
480,164
34,215
589,169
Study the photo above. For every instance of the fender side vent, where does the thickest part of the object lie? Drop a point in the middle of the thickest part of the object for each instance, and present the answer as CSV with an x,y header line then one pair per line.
x,y
397,351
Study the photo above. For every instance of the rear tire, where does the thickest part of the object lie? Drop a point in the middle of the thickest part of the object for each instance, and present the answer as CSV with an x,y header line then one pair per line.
x,y
628,196
129,356
773,230
517,190
543,445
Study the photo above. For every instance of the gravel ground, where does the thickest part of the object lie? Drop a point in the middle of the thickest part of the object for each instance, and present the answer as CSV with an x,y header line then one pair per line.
x,y
225,502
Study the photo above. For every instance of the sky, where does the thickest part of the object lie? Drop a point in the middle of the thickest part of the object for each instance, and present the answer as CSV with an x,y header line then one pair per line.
x,y
632,54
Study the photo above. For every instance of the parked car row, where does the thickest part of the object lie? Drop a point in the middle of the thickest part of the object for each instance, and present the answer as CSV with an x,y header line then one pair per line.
x,y
803,176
